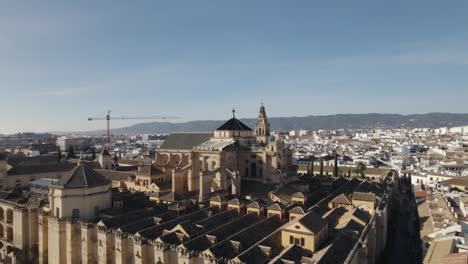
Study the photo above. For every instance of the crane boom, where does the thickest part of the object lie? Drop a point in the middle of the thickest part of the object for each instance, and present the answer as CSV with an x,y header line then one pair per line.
x,y
108,118
132,117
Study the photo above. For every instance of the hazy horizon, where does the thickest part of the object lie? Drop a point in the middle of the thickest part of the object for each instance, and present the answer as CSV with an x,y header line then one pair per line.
x,y
136,122
63,62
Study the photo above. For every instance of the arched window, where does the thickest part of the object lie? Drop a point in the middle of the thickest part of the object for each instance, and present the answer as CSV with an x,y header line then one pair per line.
x,y
2,234
76,213
9,216
9,234
2,214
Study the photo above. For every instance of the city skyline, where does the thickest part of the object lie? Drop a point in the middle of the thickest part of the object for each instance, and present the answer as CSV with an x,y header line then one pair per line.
x,y
64,62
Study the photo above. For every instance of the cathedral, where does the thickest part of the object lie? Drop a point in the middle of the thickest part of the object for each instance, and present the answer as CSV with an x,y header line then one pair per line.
x,y
206,163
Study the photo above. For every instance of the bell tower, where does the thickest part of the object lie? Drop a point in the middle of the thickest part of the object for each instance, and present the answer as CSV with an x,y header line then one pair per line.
x,y
262,128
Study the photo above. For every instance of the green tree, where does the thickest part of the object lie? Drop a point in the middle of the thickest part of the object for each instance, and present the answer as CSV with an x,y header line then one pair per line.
x,y
321,166
59,155
71,152
360,169
335,167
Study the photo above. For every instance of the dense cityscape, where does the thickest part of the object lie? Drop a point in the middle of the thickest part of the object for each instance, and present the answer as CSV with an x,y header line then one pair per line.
x,y
236,195
233,132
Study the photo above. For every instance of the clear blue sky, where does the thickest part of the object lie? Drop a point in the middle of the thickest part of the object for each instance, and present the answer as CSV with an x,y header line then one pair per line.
x,y
62,61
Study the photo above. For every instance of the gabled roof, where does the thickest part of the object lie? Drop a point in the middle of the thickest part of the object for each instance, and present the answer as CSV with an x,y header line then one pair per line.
x,y
298,195
82,177
297,210
185,140
276,206
341,199
234,201
362,196
313,222
39,164
234,124
171,197
256,204
188,228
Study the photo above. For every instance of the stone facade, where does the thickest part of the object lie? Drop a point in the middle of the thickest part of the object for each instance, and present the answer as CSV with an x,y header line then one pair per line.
x,y
219,162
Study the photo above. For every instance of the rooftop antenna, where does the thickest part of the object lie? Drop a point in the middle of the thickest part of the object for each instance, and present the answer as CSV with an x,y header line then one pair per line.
x,y
233,112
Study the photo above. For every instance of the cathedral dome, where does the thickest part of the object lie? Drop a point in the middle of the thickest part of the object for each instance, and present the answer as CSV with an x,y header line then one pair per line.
x,y
82,177
234,124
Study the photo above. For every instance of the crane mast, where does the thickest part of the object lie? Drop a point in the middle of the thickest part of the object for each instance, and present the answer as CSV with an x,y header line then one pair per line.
x,y
108,119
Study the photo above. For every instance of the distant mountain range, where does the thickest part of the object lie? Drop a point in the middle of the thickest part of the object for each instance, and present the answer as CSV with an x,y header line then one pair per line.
x,y
345,121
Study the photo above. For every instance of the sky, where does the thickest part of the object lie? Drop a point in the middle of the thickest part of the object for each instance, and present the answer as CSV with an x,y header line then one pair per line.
x,y
64,61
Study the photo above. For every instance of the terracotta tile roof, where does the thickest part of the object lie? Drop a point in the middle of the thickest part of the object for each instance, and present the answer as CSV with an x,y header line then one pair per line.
x,y
234,124
185,140
361,196
313,222
82,176
297,210
40,164
341,199
276,206
256,204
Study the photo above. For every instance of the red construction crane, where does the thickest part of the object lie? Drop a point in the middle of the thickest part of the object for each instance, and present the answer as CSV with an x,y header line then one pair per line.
x,y
108,118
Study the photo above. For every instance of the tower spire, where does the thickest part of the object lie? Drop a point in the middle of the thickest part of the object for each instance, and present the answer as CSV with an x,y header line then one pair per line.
x,y
233,112
262,129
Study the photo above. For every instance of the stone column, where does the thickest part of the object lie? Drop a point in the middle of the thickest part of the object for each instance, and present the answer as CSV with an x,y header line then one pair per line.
x,y
34,233
43,239
142,252
88,243
205,186
121,249
158,252
20,227
177,181
106,252
184,256
73,233
57,241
